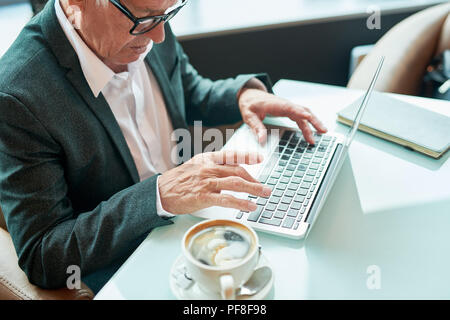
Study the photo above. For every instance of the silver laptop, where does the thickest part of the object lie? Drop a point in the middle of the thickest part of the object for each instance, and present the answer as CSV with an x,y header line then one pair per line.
x,y
300,175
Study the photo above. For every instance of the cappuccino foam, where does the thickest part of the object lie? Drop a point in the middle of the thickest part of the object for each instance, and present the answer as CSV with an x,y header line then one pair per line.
x,y
220,246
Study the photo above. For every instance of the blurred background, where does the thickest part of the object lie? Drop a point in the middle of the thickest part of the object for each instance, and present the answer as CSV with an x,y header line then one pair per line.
x,y
309,40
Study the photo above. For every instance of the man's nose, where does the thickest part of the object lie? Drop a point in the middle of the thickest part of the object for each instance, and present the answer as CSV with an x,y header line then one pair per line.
x,y
157,34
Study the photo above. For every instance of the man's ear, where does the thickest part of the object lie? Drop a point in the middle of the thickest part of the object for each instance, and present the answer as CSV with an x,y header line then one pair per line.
x,y
73,10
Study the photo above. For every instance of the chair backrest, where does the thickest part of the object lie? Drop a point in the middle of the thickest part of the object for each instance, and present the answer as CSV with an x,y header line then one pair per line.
x,y
2,221
444,41
408,47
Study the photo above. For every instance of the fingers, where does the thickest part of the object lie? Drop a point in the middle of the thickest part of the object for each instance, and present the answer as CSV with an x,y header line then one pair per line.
x,y
301,115
228,201
255,123
232,157
306,130
238,171
317,124
240,185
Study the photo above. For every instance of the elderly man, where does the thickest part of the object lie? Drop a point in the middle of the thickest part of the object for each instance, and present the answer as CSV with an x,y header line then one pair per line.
x,y
90,93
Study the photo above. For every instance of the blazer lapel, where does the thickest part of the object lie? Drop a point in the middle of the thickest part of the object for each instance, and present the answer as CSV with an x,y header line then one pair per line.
x,y
103,112
155,63
68,59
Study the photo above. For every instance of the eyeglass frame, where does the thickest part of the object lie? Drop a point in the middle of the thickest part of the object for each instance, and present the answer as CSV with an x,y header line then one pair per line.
x,y
164,17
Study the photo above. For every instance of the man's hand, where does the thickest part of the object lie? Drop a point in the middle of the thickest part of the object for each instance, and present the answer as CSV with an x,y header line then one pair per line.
x,y
255,104
197,183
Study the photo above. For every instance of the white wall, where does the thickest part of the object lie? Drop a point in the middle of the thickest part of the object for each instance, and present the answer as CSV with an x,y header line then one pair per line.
x,y
12,19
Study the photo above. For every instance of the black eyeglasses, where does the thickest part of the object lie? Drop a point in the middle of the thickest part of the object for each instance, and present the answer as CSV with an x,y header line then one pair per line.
x,y
146,24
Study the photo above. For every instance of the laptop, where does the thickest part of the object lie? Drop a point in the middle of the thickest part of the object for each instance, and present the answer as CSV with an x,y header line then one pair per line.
x,y
300,175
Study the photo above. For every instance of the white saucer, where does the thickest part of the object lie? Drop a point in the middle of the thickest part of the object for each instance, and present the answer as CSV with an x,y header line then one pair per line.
x,y
185,289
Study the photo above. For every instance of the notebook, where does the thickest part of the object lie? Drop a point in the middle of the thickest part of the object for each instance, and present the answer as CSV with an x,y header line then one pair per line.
x,y
403,123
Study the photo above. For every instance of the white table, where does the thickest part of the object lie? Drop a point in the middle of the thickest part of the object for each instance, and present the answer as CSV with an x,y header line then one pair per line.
x,y
389,211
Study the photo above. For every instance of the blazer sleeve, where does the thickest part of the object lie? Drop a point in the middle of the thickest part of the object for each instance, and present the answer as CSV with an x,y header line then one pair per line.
x,y
49,236
213,102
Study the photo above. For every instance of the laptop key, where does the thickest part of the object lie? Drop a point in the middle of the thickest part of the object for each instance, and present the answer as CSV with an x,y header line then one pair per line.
x,y
296,180
281,186
274,199
296,205
279,169
277,192
286,135
302,191
268,168
288,173
299,174
293,186
289,193
299,198
283,207
279,214
284,180
261,201
292,213
253,216
320,154
271,206
305,185
288,223
267,214
291,167
274,222
286,200
239,215
275,175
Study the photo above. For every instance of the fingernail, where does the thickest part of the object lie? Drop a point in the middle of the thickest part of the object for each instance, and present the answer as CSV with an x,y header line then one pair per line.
x,y
252,206
267,191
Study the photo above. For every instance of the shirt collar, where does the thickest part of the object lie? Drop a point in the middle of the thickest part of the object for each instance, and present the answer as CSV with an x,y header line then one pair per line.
x,y
97,74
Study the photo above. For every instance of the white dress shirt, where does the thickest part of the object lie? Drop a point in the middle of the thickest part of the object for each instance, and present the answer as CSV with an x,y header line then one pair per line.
x,y
137,103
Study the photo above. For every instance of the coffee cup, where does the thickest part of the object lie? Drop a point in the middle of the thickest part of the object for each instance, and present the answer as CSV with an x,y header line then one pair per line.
x,y
220,255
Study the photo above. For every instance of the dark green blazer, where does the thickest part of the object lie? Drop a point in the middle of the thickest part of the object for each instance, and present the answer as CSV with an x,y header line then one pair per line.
x,y
69,188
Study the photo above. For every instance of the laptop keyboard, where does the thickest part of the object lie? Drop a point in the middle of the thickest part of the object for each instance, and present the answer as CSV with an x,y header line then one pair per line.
x,y
293,172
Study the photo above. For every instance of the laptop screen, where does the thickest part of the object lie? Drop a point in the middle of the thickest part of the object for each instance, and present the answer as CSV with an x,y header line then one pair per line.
x,y
363,106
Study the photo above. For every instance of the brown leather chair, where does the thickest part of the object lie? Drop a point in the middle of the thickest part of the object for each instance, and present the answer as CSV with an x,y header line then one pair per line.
x,y
408,47
14,284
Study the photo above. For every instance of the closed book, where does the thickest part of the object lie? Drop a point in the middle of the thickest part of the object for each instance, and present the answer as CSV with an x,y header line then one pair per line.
x,y
403,123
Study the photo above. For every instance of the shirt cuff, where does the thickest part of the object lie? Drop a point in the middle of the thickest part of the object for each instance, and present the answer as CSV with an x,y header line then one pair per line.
x,y
255,83
159,208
